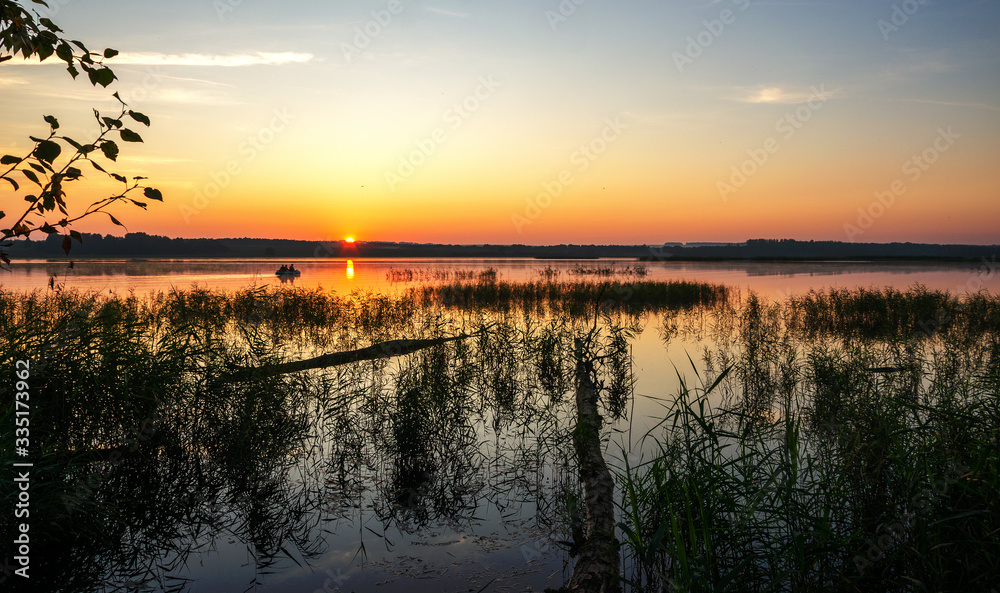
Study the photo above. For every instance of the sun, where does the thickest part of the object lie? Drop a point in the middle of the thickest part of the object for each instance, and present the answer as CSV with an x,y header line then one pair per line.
x,y
349,240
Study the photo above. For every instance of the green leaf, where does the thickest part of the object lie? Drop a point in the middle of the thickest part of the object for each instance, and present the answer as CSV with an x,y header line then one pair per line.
x,y
72,143
9,160
47,151
112,123
119,177
80,45
67,244
115,220
110,53
139,204
76,235
153,194
73,173
130,136
72,71
139,117
52,122
110,149
12,182
98,167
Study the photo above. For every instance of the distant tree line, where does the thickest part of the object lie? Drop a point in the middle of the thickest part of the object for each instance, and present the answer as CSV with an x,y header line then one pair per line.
x,y
155,246
828,250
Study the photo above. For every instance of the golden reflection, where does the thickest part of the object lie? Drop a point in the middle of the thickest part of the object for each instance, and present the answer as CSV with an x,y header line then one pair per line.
x,y
350,269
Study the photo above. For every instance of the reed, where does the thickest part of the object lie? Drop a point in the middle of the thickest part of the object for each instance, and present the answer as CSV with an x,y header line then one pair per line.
x,y
577,299
841,440
853,452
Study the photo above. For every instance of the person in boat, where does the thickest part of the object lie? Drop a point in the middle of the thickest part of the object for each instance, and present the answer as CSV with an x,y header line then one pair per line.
x,y
283,269
291,268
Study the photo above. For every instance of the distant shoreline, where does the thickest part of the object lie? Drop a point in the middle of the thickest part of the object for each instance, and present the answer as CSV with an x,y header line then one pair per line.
x,y
541,260
143,246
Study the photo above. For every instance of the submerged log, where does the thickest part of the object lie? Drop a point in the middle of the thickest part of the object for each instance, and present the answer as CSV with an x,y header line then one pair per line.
x,y
387,349
598,566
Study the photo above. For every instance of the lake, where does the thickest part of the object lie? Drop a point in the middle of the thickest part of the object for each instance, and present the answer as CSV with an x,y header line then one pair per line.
x,y
450,469
773,280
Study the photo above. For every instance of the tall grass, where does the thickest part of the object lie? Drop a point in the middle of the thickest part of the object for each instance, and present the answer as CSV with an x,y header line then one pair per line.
x,y
855,448
862,459
577,299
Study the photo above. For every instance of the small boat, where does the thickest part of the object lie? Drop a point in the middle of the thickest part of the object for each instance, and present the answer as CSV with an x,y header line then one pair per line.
x,y
288,273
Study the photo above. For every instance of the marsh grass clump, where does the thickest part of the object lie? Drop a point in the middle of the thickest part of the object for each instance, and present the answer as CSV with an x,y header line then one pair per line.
x,y
577,299
852,451
854,445
877,503
889,313
405,275
608,271
134,437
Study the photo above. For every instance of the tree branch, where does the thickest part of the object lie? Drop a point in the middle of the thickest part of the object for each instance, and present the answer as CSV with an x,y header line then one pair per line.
x,y
389,349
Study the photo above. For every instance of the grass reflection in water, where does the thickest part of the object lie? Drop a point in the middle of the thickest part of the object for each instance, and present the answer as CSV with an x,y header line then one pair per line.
x,y
827,418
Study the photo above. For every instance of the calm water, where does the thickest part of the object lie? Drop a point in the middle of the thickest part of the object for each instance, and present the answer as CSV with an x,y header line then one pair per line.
x,y
492,539
772,280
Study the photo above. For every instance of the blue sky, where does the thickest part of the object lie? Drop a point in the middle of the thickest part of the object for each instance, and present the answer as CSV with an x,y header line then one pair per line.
x,y
211,73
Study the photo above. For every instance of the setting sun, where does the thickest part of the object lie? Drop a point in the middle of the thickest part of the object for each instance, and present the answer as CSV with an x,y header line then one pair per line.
x,y
349,240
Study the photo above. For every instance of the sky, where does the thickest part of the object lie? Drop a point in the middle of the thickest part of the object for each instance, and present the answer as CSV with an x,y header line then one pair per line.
x,y
539,121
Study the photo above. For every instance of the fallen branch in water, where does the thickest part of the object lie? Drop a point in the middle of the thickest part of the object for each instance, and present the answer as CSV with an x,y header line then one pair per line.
x,y
389,349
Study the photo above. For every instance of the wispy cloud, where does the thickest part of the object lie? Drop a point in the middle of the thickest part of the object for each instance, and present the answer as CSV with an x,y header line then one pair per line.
x,y
443,11
191,59
198,80
227,60
952,103
8,82
773,94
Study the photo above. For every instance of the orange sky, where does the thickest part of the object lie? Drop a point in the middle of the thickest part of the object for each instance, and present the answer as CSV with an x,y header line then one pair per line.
x,y
468,122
